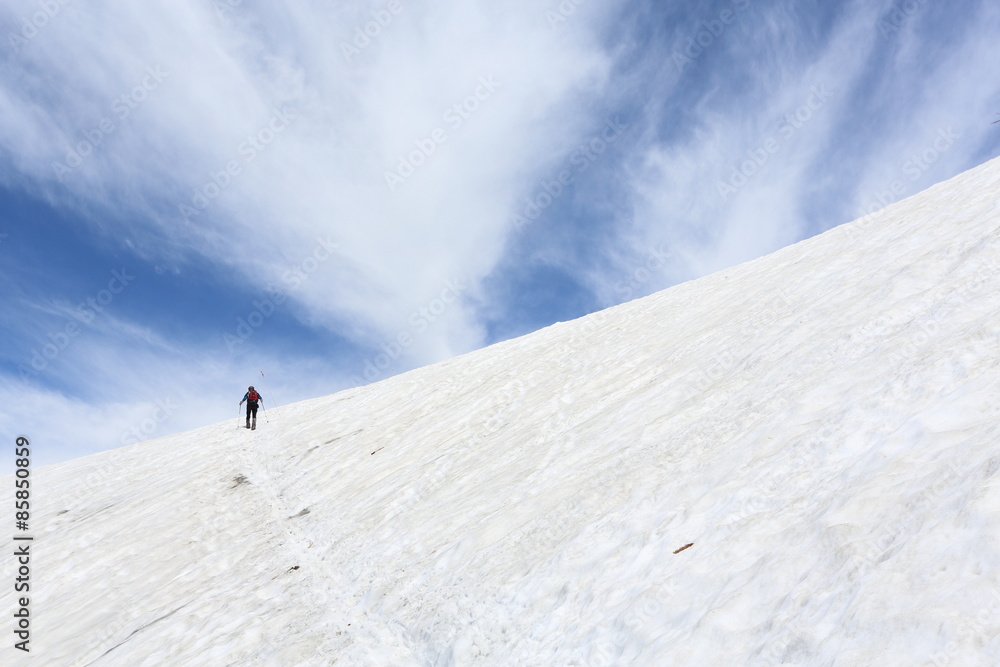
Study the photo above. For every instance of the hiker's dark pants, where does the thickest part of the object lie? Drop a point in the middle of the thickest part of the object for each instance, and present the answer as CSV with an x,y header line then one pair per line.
x,y
251,409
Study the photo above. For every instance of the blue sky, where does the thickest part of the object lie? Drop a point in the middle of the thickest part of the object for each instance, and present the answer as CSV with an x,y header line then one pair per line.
x,y
196,192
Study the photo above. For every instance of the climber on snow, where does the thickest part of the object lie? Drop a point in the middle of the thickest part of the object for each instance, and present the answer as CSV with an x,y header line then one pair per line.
x,y
252,398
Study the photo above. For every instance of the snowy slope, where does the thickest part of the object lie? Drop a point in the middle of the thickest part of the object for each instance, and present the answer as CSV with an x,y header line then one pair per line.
x,y
822,424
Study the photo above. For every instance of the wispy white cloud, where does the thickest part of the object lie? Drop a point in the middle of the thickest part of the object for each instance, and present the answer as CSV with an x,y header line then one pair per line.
x,y
780,146
272,132
937,107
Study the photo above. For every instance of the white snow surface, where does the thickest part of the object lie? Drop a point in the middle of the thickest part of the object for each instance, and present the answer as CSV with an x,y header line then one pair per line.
x,y
822,424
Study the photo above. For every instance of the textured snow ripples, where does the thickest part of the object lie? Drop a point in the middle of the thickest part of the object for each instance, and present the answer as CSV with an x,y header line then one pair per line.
x,y
819,425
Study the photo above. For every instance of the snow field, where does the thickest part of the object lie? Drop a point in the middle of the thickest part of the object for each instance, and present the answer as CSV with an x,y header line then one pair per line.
x,y
820,423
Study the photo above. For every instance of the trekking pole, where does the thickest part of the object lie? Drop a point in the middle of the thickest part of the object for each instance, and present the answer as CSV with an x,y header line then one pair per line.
x,y
266,420
239,411
267,386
